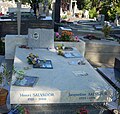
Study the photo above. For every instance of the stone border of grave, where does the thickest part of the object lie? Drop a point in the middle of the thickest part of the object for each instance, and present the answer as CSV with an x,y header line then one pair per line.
x,y
12,40
95,52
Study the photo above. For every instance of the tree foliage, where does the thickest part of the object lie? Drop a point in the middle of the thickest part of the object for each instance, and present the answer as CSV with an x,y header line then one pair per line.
x,y
107,7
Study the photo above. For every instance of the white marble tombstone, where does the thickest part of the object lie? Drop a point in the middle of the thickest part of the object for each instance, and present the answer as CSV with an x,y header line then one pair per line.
x,y
41,38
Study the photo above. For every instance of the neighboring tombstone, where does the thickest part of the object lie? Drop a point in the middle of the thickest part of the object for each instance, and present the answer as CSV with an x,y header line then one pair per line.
x,y
101,19
86,14
45,6
47,11
75,8
19,17
116,20
41,38
61,12
40,9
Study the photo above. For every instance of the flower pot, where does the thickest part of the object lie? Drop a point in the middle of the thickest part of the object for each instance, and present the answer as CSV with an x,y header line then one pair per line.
x,y
3,96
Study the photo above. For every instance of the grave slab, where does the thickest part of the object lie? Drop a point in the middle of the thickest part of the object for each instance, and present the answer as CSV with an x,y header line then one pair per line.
x,y
64,83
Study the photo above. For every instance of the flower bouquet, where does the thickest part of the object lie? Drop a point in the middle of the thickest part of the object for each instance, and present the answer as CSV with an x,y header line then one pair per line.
x,y
32,59
66,36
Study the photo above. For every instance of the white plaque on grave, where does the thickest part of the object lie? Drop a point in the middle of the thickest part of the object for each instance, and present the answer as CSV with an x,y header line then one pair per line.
x,y
41,38
36,35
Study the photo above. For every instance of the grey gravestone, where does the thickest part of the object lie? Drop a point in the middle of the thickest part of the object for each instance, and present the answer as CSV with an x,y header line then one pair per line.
x,y
101,19
41,38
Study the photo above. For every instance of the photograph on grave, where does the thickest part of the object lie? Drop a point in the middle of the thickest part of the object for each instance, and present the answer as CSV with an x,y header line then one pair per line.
x,y
45,64
72,55
26,81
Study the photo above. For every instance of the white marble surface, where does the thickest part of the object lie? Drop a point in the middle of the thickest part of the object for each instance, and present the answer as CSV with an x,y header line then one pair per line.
x,y
62,84
6,19
11,41
47,18
63,28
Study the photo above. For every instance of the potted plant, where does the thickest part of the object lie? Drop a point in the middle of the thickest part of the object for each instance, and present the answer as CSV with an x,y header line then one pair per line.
x,y
4,76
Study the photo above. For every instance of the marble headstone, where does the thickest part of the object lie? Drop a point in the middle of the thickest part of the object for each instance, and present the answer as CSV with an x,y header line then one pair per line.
x,y
41,38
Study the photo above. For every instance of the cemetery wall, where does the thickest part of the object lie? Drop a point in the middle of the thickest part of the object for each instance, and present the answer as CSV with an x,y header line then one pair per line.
x,y
10,27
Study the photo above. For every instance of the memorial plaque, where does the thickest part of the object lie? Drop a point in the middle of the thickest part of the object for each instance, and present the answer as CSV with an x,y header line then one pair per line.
x,y
41,38
45,64
26,81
